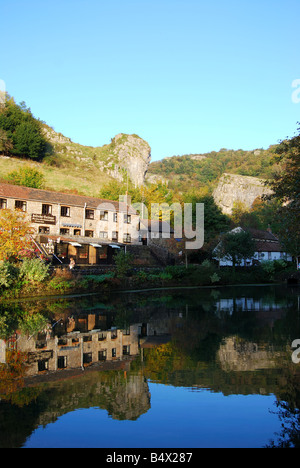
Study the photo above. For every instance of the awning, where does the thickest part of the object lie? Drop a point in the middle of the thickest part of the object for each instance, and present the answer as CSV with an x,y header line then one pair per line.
x,y
96,245
75,244
113,246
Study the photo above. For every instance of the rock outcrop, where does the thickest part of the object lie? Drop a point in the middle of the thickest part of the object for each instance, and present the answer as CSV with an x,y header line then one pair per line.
x,y
233,188
126,155
132,154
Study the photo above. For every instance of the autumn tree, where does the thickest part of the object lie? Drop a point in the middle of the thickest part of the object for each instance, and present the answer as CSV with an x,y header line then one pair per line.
x,y
28,177
286,189
15,234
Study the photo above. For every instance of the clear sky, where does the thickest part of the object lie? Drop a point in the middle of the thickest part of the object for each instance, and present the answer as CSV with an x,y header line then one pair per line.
x,y
188,76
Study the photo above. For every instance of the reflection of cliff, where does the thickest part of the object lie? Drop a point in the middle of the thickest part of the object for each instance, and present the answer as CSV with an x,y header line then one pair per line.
x,y
236,354
123,395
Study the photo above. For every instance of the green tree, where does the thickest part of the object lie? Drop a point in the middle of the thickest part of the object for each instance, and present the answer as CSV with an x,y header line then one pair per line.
x,y
236,246
23,132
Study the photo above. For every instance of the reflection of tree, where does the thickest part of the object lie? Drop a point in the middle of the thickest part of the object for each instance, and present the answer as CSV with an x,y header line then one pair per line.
x,y
288,405
12,373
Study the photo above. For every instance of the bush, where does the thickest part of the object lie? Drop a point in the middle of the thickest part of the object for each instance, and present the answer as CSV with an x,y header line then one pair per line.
x,y
28,177
34,270
8,274
123,263
101,278
215,278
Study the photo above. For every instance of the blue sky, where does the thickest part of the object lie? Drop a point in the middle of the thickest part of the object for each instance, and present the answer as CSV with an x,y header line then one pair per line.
x,y
188,76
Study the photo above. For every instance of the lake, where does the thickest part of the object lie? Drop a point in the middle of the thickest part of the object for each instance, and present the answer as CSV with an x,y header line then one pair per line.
x,y
176,368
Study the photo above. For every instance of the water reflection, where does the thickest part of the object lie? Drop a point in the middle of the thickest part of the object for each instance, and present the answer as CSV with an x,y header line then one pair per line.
x,y
65,354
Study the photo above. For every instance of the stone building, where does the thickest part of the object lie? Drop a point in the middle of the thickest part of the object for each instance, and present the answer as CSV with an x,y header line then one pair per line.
x,y
73,226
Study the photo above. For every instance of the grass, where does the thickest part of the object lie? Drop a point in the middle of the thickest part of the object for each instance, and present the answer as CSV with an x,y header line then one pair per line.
x,y
84,181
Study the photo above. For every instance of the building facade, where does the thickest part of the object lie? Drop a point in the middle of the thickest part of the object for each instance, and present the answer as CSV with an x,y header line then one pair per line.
x,y
267,247
68,226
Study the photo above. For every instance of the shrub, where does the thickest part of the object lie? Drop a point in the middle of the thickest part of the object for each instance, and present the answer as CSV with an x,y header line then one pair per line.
x,y
28,177
123,263
34,270
214,278
101,278
8,274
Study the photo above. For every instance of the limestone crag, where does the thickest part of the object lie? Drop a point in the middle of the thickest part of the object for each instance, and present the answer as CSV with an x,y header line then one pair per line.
x,y
127,156
132,154
233,188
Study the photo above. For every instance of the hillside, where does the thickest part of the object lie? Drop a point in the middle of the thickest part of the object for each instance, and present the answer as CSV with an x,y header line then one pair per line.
x,y
125,154
196,171
69,166
65,165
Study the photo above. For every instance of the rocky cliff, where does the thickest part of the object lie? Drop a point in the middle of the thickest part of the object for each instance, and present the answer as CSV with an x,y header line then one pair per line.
x,y
232,188
125,155
132,154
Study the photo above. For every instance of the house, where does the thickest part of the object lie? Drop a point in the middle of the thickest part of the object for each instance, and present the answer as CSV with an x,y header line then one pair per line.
x,y
267,247
73,226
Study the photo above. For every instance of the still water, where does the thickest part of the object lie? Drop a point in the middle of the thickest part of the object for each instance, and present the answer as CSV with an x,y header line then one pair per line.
x,y
209,367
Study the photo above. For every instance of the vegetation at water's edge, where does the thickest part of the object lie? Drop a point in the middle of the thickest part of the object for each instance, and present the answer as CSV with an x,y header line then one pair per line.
x,y
33,277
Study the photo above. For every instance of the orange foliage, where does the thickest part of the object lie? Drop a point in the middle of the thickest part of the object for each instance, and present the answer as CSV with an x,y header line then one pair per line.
x,y
15,234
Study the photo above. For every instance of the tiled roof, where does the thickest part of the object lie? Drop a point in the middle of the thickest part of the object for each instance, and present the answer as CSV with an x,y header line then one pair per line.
x,y
46,196
262,235
268,246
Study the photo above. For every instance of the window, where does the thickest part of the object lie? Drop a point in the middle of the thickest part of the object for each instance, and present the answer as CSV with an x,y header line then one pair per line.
x,y
20,205
89,214
87,358
101,336
62,362
46,210
114,235
126,238
64,231
65,211
114,352
104,215
43,365
77,232
3,203
115,217
126,350
102,355
44,230
127,218
103,235
89,233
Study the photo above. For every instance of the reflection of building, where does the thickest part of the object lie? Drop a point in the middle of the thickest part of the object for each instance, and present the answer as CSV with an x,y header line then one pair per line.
x,y
67,225
245,304
47,352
